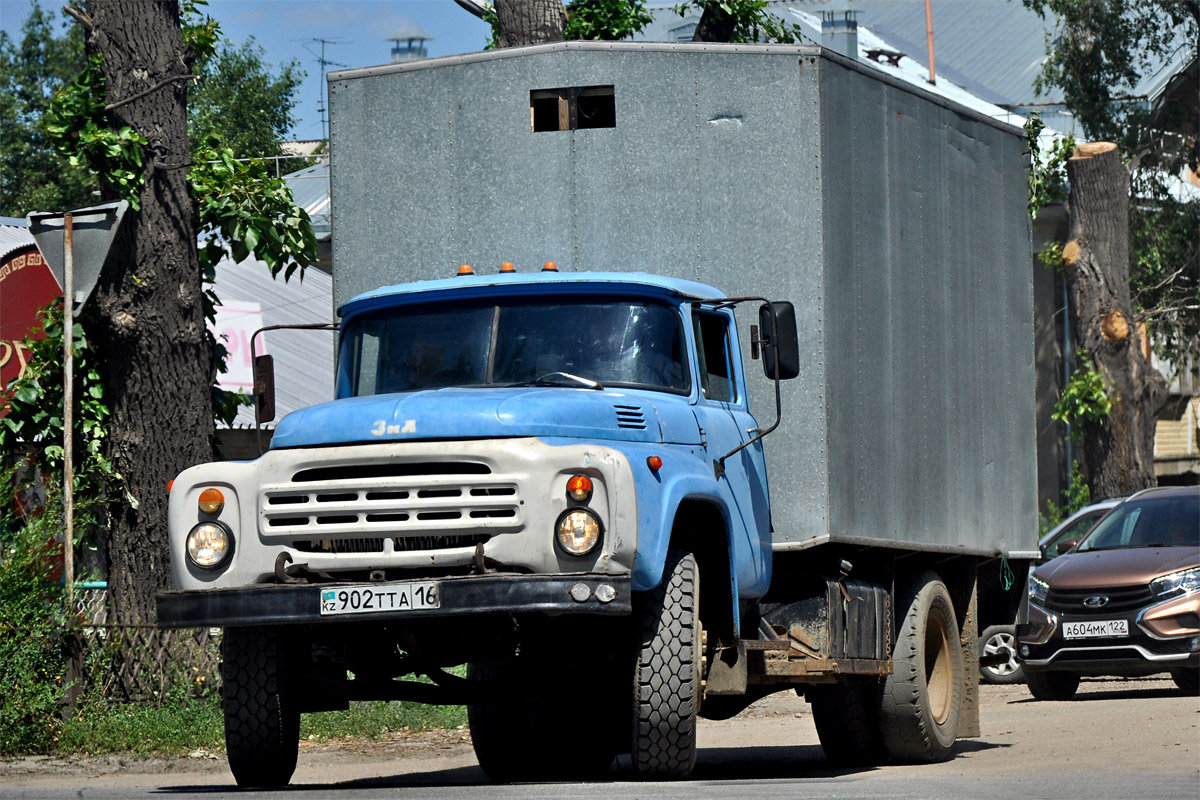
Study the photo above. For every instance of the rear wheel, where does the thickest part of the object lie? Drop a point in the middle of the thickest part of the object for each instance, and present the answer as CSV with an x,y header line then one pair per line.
x,y
262,720
847,720
1052,685
1187,679
521,736
922,698
667,683
996,641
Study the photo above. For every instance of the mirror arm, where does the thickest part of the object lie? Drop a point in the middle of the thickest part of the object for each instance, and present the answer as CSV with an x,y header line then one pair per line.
x,y
313,326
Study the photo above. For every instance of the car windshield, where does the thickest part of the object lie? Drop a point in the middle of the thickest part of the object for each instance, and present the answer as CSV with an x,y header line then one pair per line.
x,y
1153,521
586,343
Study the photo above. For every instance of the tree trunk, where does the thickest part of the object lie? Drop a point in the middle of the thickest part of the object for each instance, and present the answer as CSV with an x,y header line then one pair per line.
x,y
147,318
1118,450
523,22
716,25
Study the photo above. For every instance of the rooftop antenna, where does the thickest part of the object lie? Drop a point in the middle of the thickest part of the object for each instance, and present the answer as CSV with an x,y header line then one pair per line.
x,y
324,62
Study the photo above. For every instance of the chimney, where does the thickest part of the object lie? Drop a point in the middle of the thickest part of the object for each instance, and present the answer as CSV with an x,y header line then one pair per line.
x,y
839,32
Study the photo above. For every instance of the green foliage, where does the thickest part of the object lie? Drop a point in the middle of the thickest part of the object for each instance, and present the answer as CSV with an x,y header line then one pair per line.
x,y
1075,497
200,31
78,124
1084,398
238,100
34,403
173,729
1047,179
33,622
1099,51
747,20
33,175
610,20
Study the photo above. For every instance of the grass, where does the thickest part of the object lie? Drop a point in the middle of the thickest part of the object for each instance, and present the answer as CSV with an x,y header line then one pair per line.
x,y
196,724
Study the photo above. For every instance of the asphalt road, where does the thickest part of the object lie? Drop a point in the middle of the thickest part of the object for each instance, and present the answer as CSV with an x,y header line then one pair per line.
x,y
1116,740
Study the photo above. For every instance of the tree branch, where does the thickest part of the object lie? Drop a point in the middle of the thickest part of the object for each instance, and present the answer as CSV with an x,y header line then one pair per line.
x,y
151,90
80,17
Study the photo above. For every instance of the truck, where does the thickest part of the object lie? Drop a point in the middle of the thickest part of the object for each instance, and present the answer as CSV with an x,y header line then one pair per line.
x,y
542,490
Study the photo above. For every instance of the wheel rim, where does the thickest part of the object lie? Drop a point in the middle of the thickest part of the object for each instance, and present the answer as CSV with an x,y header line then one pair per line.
x,y
939,668
1002,643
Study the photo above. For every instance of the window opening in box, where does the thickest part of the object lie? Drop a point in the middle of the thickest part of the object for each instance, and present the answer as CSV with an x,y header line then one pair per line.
x,y
572,108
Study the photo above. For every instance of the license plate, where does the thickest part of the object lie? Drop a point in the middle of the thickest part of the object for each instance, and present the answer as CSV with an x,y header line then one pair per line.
x,y
392,597
1098,629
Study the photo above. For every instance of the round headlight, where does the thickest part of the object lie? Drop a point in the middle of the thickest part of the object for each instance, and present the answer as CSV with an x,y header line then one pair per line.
x,y
209,544
578,532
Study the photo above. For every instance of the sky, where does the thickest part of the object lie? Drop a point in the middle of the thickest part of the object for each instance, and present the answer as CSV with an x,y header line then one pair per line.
x,y
287,30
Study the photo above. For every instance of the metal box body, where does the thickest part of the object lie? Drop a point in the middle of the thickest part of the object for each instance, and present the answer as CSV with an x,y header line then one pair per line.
x,y
893,219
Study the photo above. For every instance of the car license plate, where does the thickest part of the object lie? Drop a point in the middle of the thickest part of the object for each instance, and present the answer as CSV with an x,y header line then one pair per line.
x,y
384,598
1098,629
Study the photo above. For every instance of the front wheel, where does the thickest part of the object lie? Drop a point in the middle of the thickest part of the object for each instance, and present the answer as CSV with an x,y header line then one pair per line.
x,y
922,698
1188,680
1052,685
1001,640
262,720
667,684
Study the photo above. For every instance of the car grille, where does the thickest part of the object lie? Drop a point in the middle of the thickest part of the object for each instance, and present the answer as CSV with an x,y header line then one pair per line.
x,y
1118,600
356,509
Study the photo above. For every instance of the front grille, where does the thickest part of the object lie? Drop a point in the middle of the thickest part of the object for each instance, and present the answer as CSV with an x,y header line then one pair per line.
x,y
1118,600
419,506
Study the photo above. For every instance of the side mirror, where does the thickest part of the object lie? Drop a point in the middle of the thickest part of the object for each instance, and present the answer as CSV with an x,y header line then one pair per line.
x,y
781,350
264,389
1065,546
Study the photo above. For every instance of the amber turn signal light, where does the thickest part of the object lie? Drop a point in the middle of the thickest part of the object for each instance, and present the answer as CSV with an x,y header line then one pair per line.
x,y
579,488
212,501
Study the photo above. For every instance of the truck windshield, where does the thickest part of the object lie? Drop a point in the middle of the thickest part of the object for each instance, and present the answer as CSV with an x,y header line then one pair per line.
x,y
513,342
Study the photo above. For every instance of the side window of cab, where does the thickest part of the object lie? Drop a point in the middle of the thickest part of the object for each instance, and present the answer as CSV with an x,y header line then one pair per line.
x,y
713,349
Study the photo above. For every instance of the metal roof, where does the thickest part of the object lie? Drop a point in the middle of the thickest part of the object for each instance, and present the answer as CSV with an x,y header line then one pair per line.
x,y
14,234
310,190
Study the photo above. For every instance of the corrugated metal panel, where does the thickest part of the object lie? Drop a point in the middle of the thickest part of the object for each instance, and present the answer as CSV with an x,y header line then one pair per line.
x,y
304,360
894,219
310,191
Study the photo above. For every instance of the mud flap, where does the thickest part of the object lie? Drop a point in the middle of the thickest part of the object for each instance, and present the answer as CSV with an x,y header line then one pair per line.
x,y
968,726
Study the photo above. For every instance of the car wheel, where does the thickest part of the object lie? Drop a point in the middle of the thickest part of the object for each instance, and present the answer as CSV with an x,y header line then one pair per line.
x,y
996,640
262,720
922,698
1052,685
667,689
1188,680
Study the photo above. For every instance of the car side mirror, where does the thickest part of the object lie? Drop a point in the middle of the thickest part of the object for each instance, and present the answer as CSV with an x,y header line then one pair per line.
x,y
780,347
264,388
1065,546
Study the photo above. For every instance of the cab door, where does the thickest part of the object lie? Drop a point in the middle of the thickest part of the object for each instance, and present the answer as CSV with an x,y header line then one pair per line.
x,y
725,423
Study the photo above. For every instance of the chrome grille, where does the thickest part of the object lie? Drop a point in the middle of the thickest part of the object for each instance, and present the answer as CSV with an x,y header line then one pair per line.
x,y
1119,600
354,509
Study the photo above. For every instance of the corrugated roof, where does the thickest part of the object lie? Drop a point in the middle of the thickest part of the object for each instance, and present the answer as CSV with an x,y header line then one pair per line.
x,y
310,189
14,234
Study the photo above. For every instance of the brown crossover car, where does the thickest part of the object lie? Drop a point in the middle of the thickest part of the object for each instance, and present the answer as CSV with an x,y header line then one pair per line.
x,y
1125,601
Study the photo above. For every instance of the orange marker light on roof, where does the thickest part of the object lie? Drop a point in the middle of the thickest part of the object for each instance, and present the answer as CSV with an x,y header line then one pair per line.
x,y
579,488
212,501
465,269
507,266
550,267
654,463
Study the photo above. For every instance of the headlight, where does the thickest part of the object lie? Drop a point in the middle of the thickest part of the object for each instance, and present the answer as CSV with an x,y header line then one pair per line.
x,y
578,532
1177,583
209,544
1038,589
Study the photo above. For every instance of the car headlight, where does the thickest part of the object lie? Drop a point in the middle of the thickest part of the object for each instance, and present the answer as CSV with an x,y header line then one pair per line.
x,y
1177,583
1038,589
578,532
209,544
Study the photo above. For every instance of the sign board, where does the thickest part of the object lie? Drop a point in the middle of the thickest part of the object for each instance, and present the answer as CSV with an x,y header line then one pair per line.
x,y
26,286
92,228
235,323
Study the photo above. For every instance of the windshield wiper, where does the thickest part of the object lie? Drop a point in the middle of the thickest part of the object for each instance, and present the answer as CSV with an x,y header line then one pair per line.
x,y
563,379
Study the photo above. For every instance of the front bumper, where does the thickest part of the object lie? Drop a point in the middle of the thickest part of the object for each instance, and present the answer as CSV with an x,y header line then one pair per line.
x,y
292,604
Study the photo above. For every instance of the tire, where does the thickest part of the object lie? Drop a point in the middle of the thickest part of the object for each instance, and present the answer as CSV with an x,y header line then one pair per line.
x,y
519,737
667,685
922,698
1188,680
1001,639
1052,685
262,721
847,720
